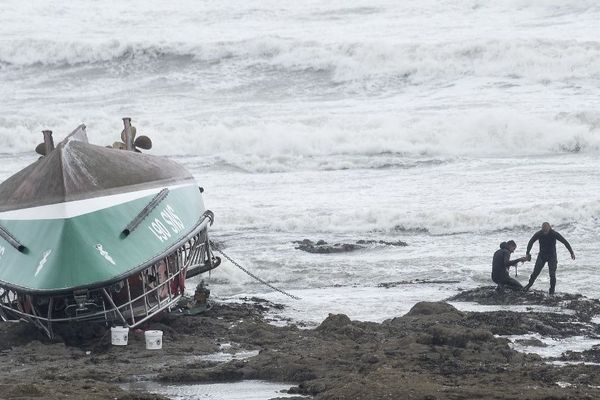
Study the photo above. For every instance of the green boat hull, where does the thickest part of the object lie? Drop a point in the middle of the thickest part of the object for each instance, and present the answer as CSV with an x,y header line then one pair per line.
x,y
89,250
96,234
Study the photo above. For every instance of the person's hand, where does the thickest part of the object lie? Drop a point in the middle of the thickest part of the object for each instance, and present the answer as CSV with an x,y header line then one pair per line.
x,y
527,257
572,256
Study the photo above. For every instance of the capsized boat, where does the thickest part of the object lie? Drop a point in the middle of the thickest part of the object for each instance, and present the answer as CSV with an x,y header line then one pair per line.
x,y
96,234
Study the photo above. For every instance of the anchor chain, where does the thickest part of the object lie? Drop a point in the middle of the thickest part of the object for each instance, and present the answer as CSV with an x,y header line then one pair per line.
x,y
215,247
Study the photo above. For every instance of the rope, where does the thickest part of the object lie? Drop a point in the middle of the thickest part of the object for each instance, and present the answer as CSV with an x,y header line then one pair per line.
x,y
214,246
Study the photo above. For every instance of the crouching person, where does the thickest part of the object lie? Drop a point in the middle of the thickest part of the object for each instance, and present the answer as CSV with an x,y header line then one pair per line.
x,y
501,264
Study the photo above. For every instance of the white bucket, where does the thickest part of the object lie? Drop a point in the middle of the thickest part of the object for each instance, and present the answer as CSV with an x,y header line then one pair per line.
x,y
153,340
119,335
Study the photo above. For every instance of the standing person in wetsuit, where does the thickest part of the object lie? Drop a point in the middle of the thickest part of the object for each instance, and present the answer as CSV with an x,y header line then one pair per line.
x,y
501,264
547,238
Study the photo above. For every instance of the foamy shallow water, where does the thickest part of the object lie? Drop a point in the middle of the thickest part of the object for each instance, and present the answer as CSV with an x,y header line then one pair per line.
x,y
225,357
245,390
554,347
359,303
475,307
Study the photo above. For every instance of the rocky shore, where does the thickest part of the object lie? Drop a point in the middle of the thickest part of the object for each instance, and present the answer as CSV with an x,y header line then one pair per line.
x,y
433,352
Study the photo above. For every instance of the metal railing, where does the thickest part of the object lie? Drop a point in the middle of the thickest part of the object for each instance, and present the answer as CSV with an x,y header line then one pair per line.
x,y
129,302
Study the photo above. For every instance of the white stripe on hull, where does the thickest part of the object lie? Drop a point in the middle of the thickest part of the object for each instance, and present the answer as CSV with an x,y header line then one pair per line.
x,y
76,208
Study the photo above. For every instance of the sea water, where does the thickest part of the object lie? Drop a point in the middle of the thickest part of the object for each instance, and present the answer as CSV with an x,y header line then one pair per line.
x,y
452,126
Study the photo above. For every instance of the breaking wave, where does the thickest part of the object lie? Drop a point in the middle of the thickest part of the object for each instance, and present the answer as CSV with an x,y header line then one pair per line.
x,y
534,59
580,217
264,102
383,141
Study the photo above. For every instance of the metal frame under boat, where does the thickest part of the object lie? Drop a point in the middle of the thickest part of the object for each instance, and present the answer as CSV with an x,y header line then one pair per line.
x,y
128,301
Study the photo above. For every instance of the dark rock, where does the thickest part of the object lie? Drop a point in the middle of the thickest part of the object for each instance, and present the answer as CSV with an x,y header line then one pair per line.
x,y
398,243
289,398
532,342
433,352
334,322
388,285
585,308
433,308
442,335
369,359
322,247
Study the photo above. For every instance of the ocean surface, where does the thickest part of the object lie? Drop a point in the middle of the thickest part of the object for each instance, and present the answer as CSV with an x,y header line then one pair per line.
x,y
452,126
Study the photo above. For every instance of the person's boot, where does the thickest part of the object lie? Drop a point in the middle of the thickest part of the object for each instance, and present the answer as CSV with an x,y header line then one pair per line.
x,y
527,287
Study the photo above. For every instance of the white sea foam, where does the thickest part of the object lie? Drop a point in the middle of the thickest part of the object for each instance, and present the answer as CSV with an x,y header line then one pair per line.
x,y
552,347
451,198
359,303
274,145
266,88
244,390
435,222
493,132
534,59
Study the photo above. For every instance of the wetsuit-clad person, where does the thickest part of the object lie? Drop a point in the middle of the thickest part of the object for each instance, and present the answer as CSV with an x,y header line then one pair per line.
x,y
547,238
501,264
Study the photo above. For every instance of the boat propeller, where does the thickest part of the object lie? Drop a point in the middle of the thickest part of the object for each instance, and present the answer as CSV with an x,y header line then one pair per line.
x,y
129,141
47,146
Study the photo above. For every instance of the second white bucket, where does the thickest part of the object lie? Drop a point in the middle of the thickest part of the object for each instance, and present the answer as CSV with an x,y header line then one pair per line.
x,y
119,335
153,340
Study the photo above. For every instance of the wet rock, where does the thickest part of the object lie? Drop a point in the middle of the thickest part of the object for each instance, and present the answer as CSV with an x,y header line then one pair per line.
x,y
532,342
571,318
433,352
24,391
289,398
433,308
457,337
369,359
388,285
334,322
322,247
18,334
584,308
592,355
398,243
